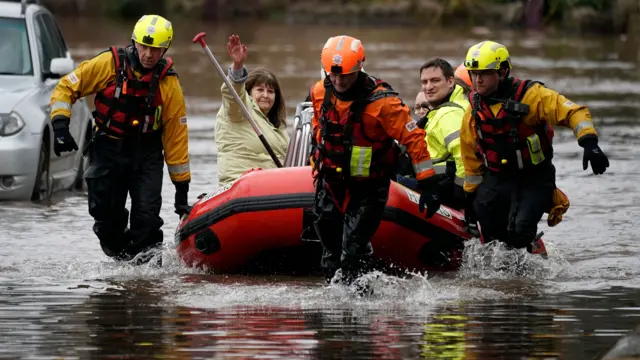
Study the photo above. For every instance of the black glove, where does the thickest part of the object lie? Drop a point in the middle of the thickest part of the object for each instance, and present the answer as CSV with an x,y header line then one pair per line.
x,y
182,203
593,153
63,141
429,196
470,214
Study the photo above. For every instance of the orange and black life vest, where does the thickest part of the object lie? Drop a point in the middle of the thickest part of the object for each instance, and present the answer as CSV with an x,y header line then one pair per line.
x,y
345,150
129,105
504,141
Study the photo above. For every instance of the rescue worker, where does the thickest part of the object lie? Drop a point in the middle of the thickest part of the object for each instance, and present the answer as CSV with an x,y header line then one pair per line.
x,y
356,119
506,140
448,104
140,112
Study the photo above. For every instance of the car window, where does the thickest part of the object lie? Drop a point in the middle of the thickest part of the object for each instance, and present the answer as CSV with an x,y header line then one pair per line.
x,y
49,45
56,34
14,48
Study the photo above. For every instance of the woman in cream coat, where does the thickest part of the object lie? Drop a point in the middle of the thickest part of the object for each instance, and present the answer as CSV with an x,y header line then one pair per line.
x,y
239,148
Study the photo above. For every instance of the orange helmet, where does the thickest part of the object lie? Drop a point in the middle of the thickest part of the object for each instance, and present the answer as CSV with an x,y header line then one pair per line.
x,y
463,74
342,55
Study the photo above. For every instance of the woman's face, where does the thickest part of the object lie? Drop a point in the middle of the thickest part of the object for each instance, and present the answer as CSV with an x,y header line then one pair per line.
x,y
265,96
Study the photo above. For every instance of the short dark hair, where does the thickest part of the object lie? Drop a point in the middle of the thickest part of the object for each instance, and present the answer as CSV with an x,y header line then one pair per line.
x,y
447,69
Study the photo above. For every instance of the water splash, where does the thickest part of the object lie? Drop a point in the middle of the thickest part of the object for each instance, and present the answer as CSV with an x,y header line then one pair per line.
x,y
495,261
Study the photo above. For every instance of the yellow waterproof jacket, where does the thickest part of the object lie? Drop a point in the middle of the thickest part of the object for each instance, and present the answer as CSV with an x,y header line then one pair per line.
x,y
239,147
95,74
443,133
545,106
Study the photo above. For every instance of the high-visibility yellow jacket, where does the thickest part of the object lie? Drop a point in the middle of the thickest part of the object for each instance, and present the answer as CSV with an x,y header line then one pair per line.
x,y
545,106
93,75
443,133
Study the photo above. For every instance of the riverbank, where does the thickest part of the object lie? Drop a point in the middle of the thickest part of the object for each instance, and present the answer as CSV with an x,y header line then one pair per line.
x,y
611,16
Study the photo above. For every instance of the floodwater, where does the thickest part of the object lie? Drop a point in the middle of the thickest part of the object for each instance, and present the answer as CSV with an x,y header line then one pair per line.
x,y
60,297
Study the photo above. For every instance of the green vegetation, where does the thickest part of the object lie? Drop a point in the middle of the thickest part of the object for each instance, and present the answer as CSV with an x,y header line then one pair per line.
x,y
555,8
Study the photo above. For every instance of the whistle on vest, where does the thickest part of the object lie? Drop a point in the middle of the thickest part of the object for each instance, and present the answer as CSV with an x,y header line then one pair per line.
x,y
504,161
338,169
135,122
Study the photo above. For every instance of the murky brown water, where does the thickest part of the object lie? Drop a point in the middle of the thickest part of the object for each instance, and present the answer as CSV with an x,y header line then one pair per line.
x,y
61,297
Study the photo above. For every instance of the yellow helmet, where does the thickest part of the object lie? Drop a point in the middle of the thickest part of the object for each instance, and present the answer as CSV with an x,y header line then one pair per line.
x,y
487,55
154,31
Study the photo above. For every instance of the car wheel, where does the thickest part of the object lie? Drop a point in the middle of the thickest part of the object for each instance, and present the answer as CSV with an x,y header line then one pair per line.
x,y
84,162
42,189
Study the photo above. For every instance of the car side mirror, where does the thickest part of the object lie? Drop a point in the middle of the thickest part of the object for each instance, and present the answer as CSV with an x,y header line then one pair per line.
x,y
61,66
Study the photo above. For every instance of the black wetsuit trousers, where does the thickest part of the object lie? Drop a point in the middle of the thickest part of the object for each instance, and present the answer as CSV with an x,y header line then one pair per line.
x,y
345,230
120,167
509,207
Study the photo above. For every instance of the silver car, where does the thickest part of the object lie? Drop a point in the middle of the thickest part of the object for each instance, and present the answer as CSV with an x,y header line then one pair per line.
x,y
33,58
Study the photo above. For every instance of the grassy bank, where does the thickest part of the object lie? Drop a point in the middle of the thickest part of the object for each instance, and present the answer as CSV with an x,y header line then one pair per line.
x,y
580,15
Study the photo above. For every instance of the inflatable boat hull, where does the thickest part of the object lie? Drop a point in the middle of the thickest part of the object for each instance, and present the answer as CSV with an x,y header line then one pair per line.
x,y
263,223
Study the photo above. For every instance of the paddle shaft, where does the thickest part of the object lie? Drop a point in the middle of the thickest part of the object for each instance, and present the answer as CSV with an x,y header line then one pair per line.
x,y
200,39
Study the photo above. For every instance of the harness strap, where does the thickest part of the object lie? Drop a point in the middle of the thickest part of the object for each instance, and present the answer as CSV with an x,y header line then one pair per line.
x,y
119,63
158,74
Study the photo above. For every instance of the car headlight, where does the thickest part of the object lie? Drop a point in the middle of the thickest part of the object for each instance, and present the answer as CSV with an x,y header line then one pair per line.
x,y
11,124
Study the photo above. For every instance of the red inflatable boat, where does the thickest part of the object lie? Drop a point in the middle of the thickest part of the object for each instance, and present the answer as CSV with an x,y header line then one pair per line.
x,y
262,223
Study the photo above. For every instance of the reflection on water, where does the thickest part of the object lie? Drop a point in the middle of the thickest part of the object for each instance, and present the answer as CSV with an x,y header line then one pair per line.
x,y
136,319
61,297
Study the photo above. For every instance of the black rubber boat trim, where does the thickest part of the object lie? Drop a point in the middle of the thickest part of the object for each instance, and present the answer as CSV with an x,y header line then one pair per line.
x,y
302,201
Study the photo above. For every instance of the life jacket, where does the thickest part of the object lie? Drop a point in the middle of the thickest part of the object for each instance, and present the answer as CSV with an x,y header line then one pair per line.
x,y
129,105
504,141
345,150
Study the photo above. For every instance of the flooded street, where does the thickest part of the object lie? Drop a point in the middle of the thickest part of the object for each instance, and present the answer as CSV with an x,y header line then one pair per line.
x,y
61,297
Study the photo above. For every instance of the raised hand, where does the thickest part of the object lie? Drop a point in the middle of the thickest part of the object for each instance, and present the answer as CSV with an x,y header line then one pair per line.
x,y
237,51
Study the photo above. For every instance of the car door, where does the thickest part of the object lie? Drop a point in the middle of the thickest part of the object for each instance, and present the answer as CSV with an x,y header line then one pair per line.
x,y
78,113
50,46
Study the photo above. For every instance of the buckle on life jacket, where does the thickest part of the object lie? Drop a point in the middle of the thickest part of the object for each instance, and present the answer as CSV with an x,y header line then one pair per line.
x,y
515,107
